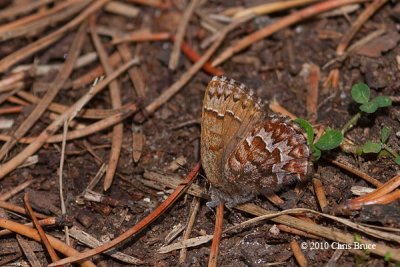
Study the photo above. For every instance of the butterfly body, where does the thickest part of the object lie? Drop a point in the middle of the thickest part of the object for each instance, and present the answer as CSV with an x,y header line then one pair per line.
x,y
244,151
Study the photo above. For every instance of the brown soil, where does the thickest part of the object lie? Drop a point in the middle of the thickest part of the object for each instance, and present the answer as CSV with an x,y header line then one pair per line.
x,y
273,68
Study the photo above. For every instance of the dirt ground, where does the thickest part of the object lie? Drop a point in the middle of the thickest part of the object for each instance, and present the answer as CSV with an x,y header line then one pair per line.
x,y
275,67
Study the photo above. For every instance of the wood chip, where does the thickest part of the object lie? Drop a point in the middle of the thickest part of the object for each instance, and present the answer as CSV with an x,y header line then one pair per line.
x,y
176,230
6,124
28,251
192,242
361,190
176,164
123,9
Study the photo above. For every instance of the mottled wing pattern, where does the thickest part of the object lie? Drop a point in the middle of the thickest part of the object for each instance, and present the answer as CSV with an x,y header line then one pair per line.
x,y
273,154
244,152
229,111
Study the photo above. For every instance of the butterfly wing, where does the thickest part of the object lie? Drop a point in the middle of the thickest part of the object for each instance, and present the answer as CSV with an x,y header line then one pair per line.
x,y
273,154
229,109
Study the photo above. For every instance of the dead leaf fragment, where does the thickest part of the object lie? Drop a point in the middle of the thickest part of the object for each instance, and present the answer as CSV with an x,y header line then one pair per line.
x,y
380,45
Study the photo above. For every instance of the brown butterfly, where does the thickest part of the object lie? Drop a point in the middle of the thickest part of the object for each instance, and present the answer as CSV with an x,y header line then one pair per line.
x,y
244,151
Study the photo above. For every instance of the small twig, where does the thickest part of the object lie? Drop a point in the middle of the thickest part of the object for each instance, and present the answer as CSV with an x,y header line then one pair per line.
x,y
92,242
10,258
43,237
355,171
7,83
15,208
271,8
390,150
15,190
312,84
14,88
97,159
180,34
385,199
193,56
195,209
207,23
63,209
332,80
295,231
123,9
298,254
219,221
16,100
161,4
275,199
49,221
143,35
32,233
84,113
35,69
93,196
134,73
191,242
335,257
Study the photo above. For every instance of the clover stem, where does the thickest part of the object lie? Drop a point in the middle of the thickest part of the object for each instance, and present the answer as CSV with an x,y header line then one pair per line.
x,y
353,121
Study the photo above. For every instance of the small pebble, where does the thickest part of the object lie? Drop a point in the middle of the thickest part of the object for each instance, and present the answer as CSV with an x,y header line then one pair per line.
x,y
274,230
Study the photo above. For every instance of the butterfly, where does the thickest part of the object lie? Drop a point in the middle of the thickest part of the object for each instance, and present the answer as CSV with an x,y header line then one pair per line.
x,y
244,150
